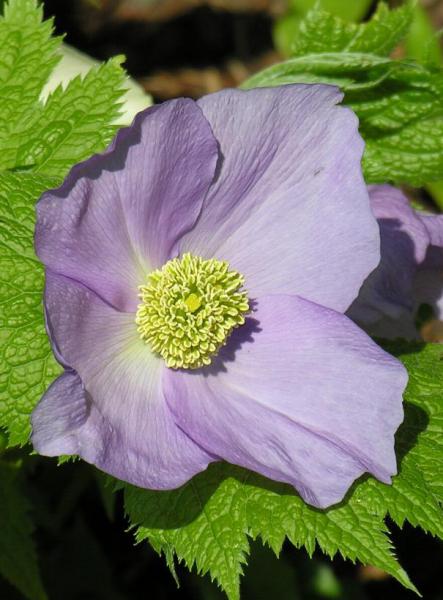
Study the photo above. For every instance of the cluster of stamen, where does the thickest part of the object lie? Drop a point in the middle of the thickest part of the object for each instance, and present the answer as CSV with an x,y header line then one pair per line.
x,y
188,309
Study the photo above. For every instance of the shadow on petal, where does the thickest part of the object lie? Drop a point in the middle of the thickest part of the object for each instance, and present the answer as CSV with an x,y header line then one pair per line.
x,y
113,158
239,338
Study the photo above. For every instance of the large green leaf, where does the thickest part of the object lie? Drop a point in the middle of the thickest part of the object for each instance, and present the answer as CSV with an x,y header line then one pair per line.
x,y
73,123
39,143
27,365
286,28
27,57
399,105
206,522
322,32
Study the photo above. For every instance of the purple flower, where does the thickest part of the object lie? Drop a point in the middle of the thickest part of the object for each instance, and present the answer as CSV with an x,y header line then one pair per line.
x,y
410,272
264,371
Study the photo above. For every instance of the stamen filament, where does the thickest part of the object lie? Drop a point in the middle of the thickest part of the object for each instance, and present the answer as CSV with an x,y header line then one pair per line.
x,y
188,309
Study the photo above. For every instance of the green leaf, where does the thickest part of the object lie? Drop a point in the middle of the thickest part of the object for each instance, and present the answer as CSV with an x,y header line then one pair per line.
x,y
349,71
425,420
27,365
351,11
206,523
203,523
422,41
39,143
286,28
401,121
27,57
323,32
18,559
73,123
435,189
399,105
423,44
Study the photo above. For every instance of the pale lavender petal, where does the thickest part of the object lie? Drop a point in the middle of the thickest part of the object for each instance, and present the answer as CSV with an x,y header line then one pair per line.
x,y
299,394
120,214
434,255
388,291
289,208
434,227
428,283
410,271
111,410
390,328
60,414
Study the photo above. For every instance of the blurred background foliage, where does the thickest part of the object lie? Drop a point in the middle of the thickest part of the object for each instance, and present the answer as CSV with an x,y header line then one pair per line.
x,y
174,48
193,47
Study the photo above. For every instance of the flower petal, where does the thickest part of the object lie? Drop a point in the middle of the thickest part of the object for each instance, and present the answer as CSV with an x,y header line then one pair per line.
x,y
289,209
299,394
61,412
110,408
434,227
119,214
434,255
428,283
387,293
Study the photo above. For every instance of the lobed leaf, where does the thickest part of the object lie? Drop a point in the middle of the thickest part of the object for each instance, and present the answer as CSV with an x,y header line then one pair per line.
x,y
210,530
321,32
206,523
353,70
28,56
39,143
74,122
27,364
399,105
203,523
421,438
286,28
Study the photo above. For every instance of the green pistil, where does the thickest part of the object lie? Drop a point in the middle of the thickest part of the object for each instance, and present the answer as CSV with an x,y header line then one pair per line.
x,y
188,309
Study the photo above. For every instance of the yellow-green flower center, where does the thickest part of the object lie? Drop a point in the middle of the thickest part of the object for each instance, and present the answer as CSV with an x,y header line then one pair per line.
x,y
188,309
